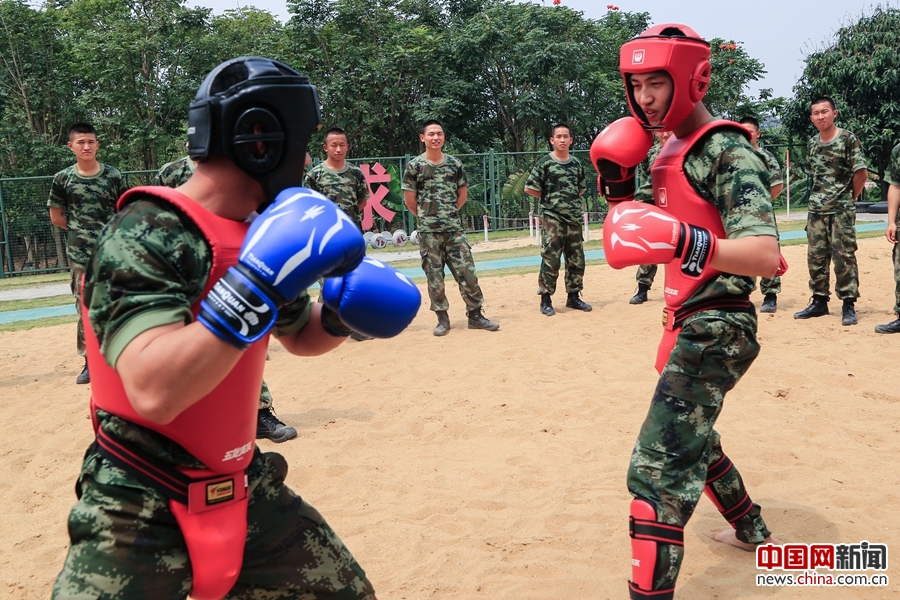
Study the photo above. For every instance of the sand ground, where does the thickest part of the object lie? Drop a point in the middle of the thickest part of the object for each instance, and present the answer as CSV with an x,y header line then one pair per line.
x,y
492,465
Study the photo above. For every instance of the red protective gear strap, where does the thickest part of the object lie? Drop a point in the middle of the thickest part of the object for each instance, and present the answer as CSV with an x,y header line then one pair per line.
x,y
782,266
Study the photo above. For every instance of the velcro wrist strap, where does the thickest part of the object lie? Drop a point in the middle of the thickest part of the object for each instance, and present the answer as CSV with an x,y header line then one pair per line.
x,y
698,246
332,323
238,309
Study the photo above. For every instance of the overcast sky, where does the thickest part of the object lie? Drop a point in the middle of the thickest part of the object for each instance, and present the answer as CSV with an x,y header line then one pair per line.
x,y
777,32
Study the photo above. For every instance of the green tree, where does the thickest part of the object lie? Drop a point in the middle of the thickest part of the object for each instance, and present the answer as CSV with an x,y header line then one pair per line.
x,y
732,72
860,70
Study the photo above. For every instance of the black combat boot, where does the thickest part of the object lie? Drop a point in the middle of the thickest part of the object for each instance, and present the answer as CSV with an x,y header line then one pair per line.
x,y
641,295
443,326
892,327
547,306
818,307
477,320
848,312
770,304
577,303
84,376
268,426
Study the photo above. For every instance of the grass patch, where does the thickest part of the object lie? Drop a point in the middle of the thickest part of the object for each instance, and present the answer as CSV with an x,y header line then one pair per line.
x,y
26,281
9,305
26,325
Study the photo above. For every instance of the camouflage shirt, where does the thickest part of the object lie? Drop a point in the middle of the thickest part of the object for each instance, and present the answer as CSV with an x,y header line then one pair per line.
x,y
346,188
151,265
88,204
775,177
175,173
561,185
831,167
435,187
644,192
892,175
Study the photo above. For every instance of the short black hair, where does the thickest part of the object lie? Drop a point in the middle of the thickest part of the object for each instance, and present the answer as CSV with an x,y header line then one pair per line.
x,y
556,126
820,99
337,131
430,122
749,121
81,128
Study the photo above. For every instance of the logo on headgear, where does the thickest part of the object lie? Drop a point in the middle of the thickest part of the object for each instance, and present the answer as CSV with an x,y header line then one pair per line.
x,y
662,197
637,57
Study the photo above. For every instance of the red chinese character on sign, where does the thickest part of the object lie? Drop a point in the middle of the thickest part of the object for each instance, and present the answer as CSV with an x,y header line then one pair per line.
x,y
769,557
376,175
796,557
821,555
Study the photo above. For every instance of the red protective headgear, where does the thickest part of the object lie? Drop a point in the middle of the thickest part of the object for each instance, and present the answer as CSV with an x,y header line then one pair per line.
x,y
679,51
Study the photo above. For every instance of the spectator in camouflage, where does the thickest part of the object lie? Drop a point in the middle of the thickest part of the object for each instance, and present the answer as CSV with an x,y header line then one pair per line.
x,y
342,183
838,174
558,182
82,201
770,287
268,425
893,178
647,273
434,189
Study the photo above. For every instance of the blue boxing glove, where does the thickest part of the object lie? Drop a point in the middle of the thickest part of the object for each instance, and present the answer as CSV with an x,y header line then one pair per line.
x,y
301,237
374,299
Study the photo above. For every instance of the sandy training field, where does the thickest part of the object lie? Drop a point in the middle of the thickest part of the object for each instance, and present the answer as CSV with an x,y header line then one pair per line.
x,y
492,465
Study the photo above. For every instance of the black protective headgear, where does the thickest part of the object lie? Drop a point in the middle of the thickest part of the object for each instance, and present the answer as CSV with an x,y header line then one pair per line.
x,y
252,99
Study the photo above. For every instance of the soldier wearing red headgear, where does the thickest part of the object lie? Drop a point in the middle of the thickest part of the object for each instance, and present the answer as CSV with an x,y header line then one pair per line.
x,y
713,228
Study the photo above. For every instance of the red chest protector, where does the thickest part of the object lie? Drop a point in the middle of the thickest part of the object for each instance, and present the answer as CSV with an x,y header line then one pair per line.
x,y
220,429
673,192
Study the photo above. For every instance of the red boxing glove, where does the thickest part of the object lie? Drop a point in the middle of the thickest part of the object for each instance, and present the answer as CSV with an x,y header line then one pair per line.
x,y
641,234
615,153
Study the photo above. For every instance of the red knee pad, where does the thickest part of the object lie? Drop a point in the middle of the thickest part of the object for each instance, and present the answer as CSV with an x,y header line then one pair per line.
x,y
647,533
716,471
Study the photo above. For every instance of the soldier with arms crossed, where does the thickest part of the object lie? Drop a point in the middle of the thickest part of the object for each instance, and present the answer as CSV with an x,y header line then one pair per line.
x,y
713,229
893,179
82,200
181,296
557,181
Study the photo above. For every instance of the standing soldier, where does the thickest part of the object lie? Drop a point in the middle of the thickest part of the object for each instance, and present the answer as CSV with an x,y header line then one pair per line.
x,y
342,183
770,287
893,178
434,189
268,425
647,273
557,180
837,169
82,201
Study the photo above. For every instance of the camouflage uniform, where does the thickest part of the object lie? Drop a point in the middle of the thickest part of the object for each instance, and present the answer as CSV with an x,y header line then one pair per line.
x,y
771,285
830,226
150,267
88,204
173,175
346,188
647,273
561,185
442,240
677,443
893,178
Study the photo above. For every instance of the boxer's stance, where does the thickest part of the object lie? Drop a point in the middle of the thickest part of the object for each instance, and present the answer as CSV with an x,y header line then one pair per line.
x,y
180,297
713,227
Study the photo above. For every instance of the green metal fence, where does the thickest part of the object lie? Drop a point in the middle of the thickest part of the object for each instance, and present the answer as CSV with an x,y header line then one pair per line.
x,y
30,244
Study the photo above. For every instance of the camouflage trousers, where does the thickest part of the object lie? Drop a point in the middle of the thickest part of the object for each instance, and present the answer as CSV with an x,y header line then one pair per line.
x,y
560,239
770,286
832,237
677,442
125,543
265,397
646,274
896,256
77,274
450,249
